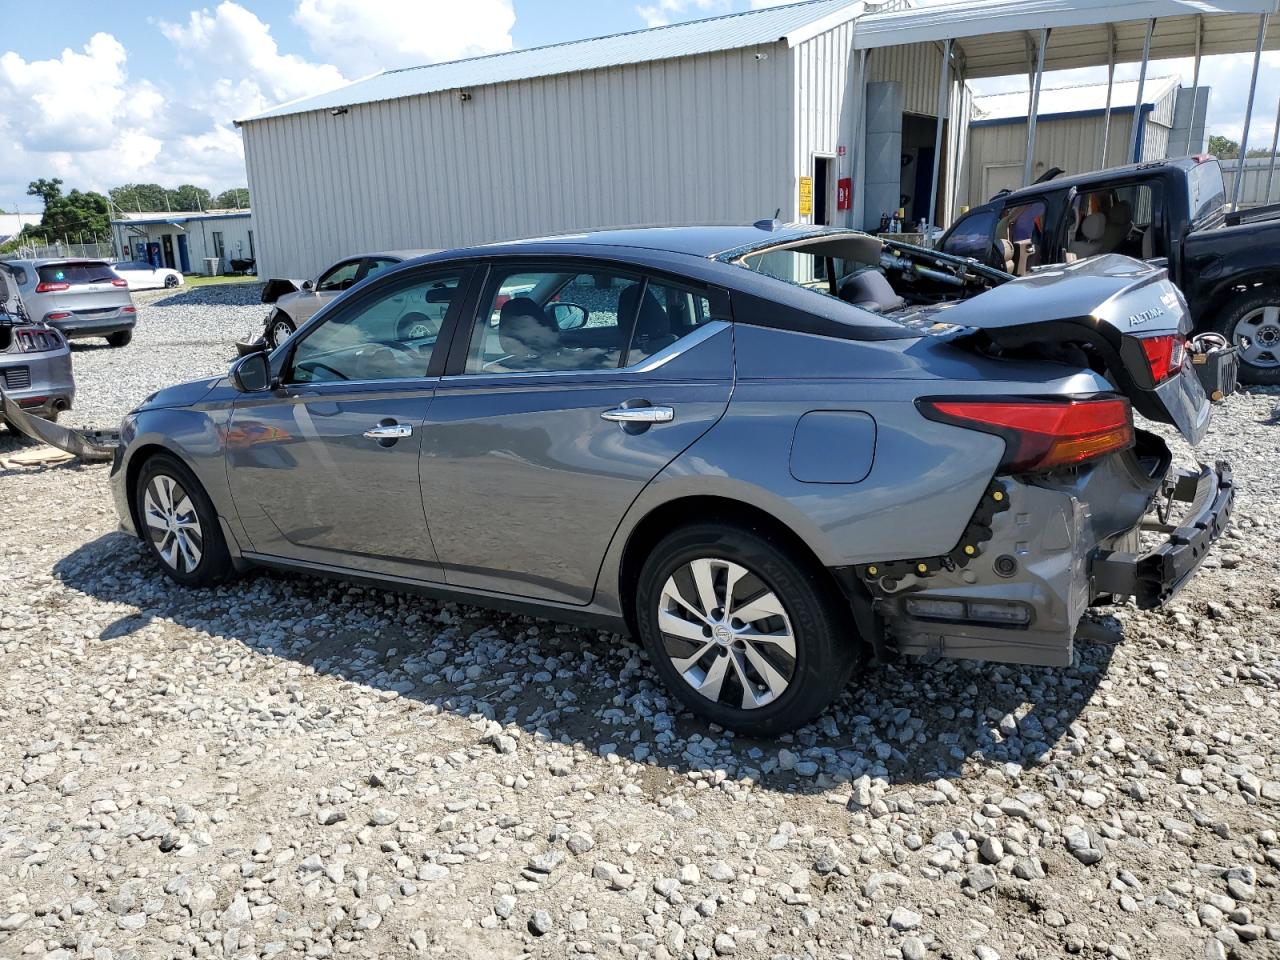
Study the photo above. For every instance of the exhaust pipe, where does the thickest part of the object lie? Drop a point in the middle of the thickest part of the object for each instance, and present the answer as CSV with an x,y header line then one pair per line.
x,y
61,405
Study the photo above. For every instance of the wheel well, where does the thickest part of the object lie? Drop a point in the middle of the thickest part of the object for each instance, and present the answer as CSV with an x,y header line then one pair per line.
x,y
1237,287
677,513
136,462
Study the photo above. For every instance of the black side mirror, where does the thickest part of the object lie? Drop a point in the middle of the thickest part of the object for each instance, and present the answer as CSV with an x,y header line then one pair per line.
x,y
308,285
568,316
251,373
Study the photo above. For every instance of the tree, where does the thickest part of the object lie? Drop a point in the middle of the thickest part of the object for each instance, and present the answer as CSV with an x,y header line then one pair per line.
x,y
48,191
236,198
1224,148
140,197
189,197
78,214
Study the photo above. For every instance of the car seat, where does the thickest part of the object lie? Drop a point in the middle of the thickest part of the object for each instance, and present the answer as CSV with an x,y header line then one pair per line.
x,y
525,332
870,290
653,326
1118,227
1092,230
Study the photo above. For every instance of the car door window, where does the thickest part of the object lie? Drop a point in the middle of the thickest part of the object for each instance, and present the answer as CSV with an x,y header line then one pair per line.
x,y
667,313
377,265
1022,223
341,277
547,320
389,334
1119,219
972,236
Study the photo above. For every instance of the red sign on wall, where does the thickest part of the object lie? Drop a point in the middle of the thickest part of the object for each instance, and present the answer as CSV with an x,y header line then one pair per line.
x,y
844,193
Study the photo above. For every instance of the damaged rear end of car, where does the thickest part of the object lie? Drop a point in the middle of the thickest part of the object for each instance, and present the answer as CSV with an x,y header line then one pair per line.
x,y
1086,506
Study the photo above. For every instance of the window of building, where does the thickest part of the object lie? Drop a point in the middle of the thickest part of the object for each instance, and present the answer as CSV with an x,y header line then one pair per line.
x,y
217,244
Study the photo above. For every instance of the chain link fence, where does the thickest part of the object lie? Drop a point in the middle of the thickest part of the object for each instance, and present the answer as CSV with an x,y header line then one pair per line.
x,y
97,251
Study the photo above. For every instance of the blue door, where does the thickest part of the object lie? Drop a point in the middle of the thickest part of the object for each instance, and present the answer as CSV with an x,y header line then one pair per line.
x,y
184,261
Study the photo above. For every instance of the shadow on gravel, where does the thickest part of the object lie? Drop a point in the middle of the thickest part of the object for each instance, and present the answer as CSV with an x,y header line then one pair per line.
x,y
235,292
907,722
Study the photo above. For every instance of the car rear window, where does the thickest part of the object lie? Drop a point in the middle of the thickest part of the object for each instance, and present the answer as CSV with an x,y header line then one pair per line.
x,y
90,271
1208,194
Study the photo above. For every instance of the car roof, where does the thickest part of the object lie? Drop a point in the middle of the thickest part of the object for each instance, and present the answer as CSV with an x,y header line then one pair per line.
x,y
50,261
1094,176
710,242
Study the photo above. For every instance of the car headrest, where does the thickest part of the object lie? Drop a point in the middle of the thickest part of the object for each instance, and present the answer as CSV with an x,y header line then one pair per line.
x,y
524,329
1093,226
652,320
1120,213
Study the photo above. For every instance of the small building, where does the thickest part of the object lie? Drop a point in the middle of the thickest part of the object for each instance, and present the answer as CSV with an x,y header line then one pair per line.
x,y
1073,129
183,241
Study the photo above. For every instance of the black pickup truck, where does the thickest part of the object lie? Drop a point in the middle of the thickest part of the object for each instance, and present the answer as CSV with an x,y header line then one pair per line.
x,y
1167,211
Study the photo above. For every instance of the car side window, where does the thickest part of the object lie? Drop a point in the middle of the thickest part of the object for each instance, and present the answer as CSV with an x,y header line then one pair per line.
x,y
546,320
972,236
388,335
667,314
377,265
341,277
1022,223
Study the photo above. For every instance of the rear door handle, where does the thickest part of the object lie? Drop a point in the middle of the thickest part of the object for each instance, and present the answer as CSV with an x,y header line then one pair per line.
x,y
639,415
389,431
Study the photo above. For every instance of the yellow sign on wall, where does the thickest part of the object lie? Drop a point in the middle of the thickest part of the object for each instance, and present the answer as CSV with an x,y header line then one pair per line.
x,y
806,196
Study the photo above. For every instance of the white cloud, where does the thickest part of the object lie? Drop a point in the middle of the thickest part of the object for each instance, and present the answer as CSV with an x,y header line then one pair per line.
x,y
366,36
250,72
662,12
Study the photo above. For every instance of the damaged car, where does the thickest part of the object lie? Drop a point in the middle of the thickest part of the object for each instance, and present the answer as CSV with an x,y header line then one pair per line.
x,y
35,360
767,451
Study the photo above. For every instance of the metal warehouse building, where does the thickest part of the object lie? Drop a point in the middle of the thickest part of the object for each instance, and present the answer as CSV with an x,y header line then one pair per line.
x,y
1078,130
826,111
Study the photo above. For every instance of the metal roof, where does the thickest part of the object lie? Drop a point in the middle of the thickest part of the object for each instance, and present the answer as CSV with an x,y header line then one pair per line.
x,y
1080,98
731,32
991,36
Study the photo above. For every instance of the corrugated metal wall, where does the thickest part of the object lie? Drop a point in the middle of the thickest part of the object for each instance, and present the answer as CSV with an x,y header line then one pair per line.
x,y
704,139
916,66
1256,171
826,98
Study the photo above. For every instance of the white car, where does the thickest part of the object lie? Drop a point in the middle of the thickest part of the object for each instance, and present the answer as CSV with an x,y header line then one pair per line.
x,y
140,275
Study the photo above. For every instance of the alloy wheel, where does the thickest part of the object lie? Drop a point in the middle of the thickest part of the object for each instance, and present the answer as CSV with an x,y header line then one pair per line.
x,y
172,523
727,633
1257,334
280,331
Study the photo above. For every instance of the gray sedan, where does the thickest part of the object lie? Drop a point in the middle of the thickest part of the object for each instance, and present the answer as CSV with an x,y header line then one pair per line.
x,y
35,360
765,450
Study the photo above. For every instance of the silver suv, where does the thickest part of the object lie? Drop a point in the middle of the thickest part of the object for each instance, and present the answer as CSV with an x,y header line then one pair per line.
x,y
78,298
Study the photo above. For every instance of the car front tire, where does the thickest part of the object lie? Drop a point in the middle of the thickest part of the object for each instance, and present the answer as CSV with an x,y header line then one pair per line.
x,y
279,329
177,521
171,281
1254,316
743,629
120,339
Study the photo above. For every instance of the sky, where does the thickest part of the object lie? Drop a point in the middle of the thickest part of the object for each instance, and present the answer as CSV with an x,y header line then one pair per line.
x,y
101,94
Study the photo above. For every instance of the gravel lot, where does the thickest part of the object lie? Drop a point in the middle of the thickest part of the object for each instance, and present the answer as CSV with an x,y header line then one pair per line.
x,y
297,767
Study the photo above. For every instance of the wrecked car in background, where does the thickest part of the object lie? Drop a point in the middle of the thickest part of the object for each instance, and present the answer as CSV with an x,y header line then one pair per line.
x,y
766,450
295,301
35,360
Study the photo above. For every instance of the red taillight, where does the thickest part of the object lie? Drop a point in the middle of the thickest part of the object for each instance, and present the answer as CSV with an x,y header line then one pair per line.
x,y
1043,434
119,283
60,315
1165,355
48,286
129,310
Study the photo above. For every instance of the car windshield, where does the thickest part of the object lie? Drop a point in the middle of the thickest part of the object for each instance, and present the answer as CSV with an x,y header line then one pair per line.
x,y
89,271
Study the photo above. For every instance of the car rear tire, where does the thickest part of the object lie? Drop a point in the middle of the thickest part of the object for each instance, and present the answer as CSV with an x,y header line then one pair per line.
x,y
279,329
177,521
170,282
744,629
120,339
1254,316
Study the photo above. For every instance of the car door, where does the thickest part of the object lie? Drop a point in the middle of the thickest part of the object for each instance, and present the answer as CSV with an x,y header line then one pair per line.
x,y
570,388
324,468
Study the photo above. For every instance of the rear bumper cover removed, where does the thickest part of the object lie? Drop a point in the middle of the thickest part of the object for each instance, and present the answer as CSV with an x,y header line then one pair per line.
x,y
1152,578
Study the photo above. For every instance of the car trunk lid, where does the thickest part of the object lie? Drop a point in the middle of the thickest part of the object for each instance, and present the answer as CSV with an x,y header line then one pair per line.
x,y
1122,317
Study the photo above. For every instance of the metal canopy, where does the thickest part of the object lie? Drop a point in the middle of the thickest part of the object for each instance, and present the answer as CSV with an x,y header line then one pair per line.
x,y
990,35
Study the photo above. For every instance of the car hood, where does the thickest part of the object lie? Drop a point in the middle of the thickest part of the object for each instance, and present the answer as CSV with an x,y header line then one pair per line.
x,y
183,394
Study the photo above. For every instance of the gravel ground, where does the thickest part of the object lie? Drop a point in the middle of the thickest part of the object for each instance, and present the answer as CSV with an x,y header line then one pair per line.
x,y
289,766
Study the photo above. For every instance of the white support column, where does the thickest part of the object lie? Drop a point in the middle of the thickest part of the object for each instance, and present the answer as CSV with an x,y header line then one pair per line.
x,y
1029,165
1271,171
1195,84
1111,82
1248,113
1136,127
857,210
944,90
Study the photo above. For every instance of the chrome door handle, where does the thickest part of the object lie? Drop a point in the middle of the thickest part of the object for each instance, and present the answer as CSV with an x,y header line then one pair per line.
x,y
639,415
389,431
